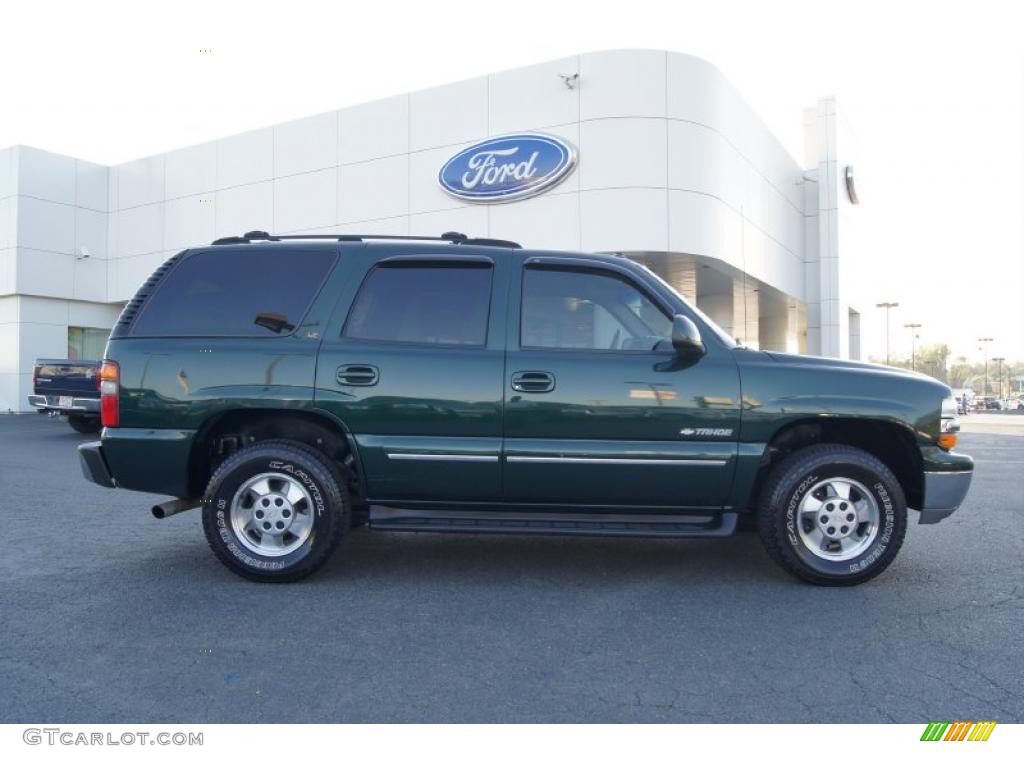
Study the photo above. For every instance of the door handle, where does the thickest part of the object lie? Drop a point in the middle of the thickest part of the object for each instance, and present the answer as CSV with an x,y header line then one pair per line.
x,y
533,381
357,375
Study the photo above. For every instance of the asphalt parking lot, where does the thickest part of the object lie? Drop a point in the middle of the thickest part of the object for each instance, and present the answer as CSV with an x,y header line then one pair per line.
x,y
108,615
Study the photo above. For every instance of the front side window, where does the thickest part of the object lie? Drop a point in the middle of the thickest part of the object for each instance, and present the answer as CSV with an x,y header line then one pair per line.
x,y
416,303
576,309
235,292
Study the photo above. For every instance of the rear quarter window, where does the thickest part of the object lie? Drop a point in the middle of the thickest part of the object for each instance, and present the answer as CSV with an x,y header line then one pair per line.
x,y
222,292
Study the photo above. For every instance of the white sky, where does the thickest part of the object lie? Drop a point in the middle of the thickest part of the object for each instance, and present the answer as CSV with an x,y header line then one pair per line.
x,y
933,91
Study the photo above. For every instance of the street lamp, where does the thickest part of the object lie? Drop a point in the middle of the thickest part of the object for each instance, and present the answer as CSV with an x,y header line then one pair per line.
x,y
984,350
913,346
999,376
887,305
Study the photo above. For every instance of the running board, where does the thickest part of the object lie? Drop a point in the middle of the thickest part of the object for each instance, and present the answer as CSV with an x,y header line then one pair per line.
x,y
669,526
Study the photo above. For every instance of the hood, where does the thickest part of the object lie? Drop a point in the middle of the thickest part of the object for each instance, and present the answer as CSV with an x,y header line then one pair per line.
x,y
811,361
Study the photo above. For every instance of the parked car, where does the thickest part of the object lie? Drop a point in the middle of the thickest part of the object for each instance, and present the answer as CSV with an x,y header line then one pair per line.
x,y
296,387
987,403
68,388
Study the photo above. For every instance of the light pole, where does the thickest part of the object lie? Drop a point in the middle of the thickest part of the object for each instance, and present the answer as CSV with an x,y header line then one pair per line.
x,y
984,350
913,346
887,305
999,376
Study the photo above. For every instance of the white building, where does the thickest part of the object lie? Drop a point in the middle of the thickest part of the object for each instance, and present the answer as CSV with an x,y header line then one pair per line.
x,y
673,169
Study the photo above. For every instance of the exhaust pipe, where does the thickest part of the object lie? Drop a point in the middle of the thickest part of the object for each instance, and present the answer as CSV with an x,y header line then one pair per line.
x,y
173,507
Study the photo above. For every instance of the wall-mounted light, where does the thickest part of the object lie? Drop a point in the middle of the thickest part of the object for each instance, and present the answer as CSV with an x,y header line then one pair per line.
x,y
83,253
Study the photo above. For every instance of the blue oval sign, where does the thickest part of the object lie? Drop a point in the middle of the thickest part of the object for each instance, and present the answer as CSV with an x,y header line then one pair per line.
x,y
507,168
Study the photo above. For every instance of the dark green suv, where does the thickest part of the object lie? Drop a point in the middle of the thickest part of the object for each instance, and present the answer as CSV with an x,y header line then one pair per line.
x,y
296,387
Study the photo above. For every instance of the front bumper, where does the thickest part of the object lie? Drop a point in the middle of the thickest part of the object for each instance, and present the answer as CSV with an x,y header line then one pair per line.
x,y
94,465
78,404
944,492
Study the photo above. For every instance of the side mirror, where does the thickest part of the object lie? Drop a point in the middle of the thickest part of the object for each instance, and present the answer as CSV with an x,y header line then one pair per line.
x,y
686,338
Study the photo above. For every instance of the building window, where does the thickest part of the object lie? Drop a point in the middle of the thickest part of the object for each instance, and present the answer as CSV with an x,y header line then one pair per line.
x,y
86,343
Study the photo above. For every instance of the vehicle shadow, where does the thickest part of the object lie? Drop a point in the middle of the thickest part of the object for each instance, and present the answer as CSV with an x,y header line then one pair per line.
x,y
480,559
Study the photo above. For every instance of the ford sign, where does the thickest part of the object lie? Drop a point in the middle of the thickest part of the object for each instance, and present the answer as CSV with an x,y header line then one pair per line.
x,y
507,168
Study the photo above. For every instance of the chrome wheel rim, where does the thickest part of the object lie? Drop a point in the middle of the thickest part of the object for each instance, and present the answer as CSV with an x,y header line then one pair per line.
x,y
272,514
838,519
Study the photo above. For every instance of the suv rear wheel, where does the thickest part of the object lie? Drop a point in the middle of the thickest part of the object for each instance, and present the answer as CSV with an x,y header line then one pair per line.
x,y
275,511
832,515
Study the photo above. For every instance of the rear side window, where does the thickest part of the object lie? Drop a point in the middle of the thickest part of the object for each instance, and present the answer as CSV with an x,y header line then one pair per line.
x,y
423,304
234,292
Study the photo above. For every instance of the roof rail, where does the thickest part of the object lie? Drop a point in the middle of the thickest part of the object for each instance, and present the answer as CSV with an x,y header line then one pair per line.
x,y
448,237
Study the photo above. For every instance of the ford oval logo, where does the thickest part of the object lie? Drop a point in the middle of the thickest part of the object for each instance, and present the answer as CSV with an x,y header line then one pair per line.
x,y
508,168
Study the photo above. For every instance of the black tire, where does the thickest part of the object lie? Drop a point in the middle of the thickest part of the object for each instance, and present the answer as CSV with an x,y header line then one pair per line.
x,y
314,472
87,425
795,478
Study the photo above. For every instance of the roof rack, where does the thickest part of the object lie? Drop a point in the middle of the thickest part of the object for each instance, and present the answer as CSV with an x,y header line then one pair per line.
x,y
456,238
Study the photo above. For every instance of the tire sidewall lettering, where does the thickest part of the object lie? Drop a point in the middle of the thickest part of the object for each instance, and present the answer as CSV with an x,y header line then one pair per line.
x,y
887,519
221,503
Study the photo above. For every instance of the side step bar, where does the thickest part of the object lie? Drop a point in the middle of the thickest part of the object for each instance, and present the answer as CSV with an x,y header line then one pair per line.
x,y
564,524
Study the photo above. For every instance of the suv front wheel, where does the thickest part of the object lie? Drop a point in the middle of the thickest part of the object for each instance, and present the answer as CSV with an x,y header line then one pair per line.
x,y
832,515
275,511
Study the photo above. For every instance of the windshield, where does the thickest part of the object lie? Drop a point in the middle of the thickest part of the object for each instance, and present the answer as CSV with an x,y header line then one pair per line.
x,y
724,337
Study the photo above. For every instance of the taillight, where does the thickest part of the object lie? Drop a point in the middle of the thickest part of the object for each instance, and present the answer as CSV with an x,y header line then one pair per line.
x,y
35,376
110,384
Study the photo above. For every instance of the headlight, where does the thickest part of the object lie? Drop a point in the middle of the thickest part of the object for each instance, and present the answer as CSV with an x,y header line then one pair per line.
x,y
949,424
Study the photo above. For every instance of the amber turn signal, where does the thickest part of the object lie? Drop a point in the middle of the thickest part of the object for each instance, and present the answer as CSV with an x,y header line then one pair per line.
x,y
947,441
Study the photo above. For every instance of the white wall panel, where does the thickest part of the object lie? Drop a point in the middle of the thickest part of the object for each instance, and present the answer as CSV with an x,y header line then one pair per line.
x,y
242,209
91,233
189,221
626,152
704,225
310,144
90,280
140,230
624,220
46,226
534,97
8,222
622,84
44,273
373,190
377,129
304,201
46,176
91,185
449,114
191,170
89,315
140,182
549,221
245,158
470,220
8,271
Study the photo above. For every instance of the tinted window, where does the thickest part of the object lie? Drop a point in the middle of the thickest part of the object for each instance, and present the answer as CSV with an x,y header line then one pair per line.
x,y
222,292
573,309
421,304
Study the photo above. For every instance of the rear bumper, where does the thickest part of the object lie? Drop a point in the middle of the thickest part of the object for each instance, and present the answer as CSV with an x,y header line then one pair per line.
x,y
944,492
94,465
78,404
